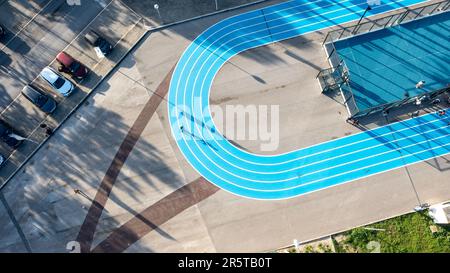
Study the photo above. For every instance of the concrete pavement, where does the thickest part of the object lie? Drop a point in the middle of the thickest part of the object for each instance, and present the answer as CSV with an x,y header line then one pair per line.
x,y
50,213
171,11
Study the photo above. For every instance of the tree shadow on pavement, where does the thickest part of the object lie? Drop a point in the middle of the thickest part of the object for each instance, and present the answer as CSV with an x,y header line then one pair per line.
x,y
76,158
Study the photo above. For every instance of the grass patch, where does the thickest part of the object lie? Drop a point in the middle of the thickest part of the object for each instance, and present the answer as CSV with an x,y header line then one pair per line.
x,y
408,233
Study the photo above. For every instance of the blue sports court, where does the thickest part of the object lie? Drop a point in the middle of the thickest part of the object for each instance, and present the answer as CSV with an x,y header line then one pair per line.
x,y
385,65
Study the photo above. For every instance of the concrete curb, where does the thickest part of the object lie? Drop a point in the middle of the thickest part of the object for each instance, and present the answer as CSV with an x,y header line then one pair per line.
x,y
206,15
330,235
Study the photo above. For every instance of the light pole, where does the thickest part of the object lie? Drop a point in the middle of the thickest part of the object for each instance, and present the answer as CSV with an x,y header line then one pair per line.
x,y
360,19
217,4
156,7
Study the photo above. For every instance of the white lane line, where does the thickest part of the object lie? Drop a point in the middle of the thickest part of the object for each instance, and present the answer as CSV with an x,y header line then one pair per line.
x,y
255,39
208,132
337,175
237,30
341,155
295,177
400,148
210,68
370,166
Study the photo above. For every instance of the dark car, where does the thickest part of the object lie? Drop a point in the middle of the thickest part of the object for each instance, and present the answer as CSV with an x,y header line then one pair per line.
x,y
98,42
8,136
2,160
2,31
38,98
71,66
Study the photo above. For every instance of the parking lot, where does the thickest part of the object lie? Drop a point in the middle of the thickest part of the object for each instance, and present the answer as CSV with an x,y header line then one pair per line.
x,y
34,35
31,44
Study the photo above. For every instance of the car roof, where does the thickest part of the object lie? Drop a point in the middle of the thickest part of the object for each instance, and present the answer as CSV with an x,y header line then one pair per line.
x,y
31,92
92,36
64,58
3,127
49,74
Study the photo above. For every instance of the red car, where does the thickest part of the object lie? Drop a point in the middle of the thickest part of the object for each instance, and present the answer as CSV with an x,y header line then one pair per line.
x,y
71,66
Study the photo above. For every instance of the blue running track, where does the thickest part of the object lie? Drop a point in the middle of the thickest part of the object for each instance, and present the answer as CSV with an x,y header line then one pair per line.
x,y
305,170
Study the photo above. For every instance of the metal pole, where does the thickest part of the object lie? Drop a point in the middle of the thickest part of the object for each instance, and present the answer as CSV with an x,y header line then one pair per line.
x,y
437,6
326,38
156,7
420,12
446,6
387,23
404,15
267,25
217,4
360,19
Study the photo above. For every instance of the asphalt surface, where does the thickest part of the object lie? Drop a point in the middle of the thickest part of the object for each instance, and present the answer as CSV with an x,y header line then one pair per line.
x,y
30,46
33,46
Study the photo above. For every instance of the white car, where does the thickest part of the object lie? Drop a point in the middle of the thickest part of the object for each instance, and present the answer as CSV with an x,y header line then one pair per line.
x,y
57,81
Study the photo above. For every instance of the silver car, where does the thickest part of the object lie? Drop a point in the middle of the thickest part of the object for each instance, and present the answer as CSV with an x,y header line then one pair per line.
x,y
59,83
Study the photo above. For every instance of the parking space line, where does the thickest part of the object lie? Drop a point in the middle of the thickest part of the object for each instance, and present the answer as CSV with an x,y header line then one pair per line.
x,y
29,22
65,48
128,7
64,98
110,67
